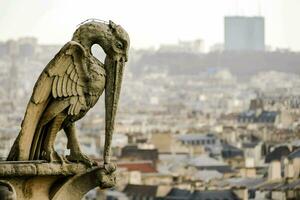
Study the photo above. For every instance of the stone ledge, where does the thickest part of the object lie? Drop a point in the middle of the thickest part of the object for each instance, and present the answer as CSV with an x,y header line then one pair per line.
x,y
41,168
40,180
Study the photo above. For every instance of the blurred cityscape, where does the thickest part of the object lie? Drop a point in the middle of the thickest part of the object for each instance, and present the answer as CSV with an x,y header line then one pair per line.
x,y
191,124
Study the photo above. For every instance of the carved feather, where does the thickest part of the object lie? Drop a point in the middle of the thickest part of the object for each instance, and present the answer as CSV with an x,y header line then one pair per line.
x,y
54,85
74,92
82,100
77,108
64,85
72,75
72,105
69,87
59,86
76,78
70,109
70,68
79,90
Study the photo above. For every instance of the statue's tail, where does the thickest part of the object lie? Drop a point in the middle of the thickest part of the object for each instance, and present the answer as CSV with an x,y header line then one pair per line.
x,y
14,152
35,108
22,145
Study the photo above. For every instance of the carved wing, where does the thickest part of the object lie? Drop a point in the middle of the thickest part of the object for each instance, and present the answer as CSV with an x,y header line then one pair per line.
x,y
64,77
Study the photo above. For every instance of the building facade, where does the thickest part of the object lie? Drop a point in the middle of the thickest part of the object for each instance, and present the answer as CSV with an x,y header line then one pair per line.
x,y
244,33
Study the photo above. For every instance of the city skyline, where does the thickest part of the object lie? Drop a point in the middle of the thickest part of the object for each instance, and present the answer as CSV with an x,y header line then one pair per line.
x,y
149,23
223,124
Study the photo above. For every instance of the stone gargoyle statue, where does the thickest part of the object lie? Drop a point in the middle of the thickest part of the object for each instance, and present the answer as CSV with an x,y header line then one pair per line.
x,y
69,86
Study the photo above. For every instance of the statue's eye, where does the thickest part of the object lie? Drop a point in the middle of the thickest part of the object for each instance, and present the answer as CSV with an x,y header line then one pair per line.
x,y
119,45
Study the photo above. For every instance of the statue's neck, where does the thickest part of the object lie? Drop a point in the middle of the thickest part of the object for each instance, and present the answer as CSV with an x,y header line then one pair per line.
x,y
86,44
88,40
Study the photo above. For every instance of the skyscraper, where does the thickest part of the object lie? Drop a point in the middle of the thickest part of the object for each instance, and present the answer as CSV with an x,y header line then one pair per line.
x,y
244,33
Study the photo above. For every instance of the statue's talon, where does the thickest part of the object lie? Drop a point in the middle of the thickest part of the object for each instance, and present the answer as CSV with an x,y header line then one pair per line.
x,y
63,160
110,167
107,177
80,157
53,156
50,156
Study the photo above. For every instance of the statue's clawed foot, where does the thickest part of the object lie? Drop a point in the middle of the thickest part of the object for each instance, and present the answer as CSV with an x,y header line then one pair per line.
x,y
53,156
107,176
110,168
80,157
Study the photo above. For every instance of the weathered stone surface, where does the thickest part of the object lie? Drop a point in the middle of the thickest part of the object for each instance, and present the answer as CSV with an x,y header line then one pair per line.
x,y
68,87
44,181
34,168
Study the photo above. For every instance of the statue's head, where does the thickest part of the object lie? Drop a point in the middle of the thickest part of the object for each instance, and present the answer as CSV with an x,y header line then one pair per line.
x,y
113,39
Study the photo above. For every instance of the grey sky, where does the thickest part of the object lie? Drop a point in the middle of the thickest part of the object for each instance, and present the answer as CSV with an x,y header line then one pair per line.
x,y
149,23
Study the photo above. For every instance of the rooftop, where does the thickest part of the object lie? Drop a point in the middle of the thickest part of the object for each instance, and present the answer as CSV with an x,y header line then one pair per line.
x,y
180,194
140,190
249,183
191,137
281,185
295,154
277,154
143,167
214,194
263,117
205,160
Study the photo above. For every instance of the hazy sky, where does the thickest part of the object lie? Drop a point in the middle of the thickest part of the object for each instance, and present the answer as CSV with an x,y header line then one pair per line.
x,y
149,23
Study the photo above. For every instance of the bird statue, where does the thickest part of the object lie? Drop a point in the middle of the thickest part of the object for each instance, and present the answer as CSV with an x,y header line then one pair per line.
x,y
69,86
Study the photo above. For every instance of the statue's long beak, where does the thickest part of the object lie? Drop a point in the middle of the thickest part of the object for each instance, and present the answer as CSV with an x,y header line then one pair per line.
x,y
114,73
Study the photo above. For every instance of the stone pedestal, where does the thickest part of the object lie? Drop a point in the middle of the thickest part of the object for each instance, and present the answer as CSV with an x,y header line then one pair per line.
x,y
38,180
